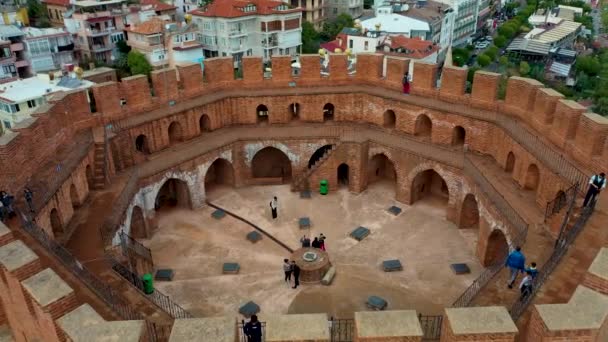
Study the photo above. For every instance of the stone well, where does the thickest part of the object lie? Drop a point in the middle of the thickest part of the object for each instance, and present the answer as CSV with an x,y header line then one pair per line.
x,y
313,264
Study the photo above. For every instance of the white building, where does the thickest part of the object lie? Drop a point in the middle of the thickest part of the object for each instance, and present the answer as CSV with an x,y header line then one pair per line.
x,y
48,48
19,99
392,23
258,28
466,19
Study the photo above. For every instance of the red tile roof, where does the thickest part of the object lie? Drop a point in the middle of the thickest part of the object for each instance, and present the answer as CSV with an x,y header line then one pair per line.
x,y
338,43
235,8
64,3
415,47
158,5
154,25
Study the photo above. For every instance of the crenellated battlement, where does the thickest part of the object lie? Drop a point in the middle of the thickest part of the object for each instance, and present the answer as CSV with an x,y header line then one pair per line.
x,y
561,122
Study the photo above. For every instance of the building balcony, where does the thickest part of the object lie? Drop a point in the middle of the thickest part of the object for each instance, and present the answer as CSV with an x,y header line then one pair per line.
x,y
21,64
100,32
237,33
17,47
100,48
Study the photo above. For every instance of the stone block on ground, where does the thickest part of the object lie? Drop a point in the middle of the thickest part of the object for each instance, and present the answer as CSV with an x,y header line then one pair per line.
x,y
217,329
304,222
460,268
376,303
231,268
296,328
392,265
329,276
391,325
218,214
360,233
165,274
254,236
249,309
394,210
305,194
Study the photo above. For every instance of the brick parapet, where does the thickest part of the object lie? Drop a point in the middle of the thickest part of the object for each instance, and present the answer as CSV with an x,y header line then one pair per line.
x,y
453,85
425,79
484,93
520,97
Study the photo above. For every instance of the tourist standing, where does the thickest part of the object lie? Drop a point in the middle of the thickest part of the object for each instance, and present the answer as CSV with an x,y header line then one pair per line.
x,y
596,184
316,243
406,83
287,270
29,196
7,201
322,242
516,263
296,274
253,330
525,287
305,242
274,205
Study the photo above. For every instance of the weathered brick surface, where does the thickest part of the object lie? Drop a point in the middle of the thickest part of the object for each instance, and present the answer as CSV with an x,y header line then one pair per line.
x,y
448,335
453,84
544,107
190,78
521,93
485,89
565,121
425,79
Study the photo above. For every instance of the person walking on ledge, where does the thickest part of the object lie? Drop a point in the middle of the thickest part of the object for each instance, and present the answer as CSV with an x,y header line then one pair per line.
x,y
274,205
406,83
596,184
516,263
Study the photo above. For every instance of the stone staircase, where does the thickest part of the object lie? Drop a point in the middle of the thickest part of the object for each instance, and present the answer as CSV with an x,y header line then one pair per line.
x,y
300,183
99,174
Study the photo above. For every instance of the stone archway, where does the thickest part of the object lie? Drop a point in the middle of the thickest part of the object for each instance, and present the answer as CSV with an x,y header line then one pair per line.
x,y
328,112
261,114
56,224
469,212
532,178
318,154
423,126
74,196
343,175
138,224
219,173
510,165
389,119
380,169
294,111
175,132
497,249
89,175
173,193
204,123
141,144
270,162
429,185
458,136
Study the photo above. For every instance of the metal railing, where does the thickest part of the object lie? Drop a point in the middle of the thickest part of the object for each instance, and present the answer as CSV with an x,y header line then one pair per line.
x,y
341,330
551,158
241,331
127,242
112,221
157,297
561,248
559,202
431,327
503,206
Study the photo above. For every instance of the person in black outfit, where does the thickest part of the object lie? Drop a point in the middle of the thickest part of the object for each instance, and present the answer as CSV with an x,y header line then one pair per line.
x,y
296,274
305,241
316,243
7,201
253,330
596,184
29,196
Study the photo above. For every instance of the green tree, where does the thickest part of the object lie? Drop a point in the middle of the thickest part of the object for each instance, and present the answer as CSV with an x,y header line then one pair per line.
x,y
484,60
590,65
524,68
37,12
503,61
332,28
500,41
506,31
471,74
310,38
460,56
138,64
123,47
492,52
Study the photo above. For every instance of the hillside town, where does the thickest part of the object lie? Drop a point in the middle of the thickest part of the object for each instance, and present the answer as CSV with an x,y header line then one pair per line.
x,y
56,45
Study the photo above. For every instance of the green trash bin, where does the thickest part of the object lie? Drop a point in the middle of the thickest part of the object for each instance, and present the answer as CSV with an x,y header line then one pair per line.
x,y
148,283
323,187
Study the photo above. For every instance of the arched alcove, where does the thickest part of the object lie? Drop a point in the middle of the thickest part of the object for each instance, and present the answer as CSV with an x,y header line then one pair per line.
x,y
381,170
173,193
74,196
270,162
389,119
318,154
176,134
56,224
423,126
204,123
219,173
532,178
343,175
469,212
429,186
497,248
141,144
328,112
510,165
261,114
294,111
458,136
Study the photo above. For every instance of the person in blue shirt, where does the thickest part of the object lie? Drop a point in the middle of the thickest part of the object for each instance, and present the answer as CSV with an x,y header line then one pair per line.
x,y
596,184
516,262
532,271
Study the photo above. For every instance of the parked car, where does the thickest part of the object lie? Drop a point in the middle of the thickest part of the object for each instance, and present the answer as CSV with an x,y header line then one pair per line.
x,y
489,38
482,45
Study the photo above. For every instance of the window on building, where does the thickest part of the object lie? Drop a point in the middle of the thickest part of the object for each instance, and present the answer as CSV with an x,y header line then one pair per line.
x,y
15,108
287,51
249,8
366,45
223,54
222,26
335,10
50,14
9,69
39,46
57,14
5,52
7,124
282,8
350,43
31,103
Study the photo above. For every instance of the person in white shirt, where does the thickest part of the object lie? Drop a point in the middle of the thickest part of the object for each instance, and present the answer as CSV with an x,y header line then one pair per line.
x,y
596,184
274,204
525,287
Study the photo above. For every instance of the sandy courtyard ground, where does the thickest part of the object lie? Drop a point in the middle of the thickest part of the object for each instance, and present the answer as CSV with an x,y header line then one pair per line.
x,y
195,245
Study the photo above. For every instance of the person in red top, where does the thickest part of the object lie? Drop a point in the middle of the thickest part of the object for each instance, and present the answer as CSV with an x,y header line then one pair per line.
x,y
406,83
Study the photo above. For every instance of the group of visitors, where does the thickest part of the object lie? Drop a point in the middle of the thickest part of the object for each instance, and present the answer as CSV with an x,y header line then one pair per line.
x,y
318,242
291,268
516,262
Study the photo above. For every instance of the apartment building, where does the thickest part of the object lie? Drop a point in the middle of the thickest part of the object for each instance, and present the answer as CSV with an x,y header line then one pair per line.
x,y
56,10
248,28
48,48
14,60
466,14
354,8
97,27
313,11
165,44
440,18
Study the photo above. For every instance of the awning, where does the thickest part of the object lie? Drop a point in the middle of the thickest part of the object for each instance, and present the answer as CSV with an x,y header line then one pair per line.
x,y
560,68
